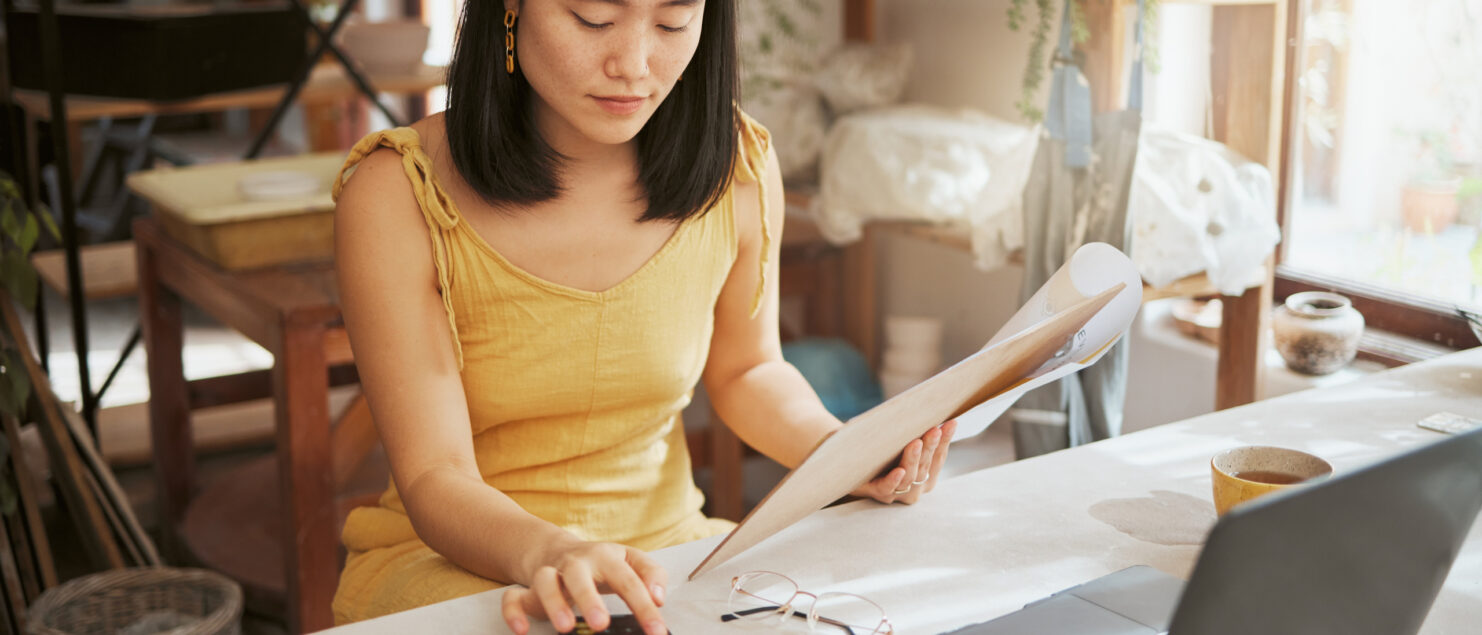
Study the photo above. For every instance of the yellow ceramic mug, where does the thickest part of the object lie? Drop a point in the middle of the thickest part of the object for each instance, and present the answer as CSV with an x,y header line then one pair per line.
x,y
1247,472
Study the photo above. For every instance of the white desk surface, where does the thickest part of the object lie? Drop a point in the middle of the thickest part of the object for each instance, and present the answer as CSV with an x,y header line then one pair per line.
x,y
985,543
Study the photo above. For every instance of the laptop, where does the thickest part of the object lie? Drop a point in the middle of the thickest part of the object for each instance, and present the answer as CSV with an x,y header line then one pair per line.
x,y
1365,552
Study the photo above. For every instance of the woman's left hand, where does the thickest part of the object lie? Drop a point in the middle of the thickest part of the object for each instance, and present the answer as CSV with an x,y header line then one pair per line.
x,y
921,461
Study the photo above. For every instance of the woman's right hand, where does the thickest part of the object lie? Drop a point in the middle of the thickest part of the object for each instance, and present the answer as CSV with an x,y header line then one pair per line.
x,y
573,577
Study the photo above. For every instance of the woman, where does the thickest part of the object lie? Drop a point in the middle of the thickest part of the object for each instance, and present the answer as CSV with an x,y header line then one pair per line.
x,y
603,234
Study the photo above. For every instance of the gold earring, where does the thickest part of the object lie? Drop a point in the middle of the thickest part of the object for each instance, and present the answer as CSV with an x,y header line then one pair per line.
x,y
509,41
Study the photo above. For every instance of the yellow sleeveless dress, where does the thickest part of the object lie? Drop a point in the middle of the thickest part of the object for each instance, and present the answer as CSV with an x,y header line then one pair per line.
x,y
574,396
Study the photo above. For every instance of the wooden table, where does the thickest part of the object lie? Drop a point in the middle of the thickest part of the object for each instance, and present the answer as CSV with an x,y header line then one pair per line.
x,y
985,543
293,312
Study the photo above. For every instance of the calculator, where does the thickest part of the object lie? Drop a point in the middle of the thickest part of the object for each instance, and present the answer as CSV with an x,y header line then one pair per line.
x,y
1449,423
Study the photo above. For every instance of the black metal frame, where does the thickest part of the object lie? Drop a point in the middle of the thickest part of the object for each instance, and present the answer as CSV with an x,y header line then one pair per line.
x,y
66,196
326,44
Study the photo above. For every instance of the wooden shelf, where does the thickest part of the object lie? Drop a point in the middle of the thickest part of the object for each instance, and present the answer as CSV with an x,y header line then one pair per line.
x,y
109,270
801,228
327,83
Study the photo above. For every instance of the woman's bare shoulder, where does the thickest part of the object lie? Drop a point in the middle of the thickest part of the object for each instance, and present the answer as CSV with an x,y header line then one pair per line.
x,y
379,182
376,213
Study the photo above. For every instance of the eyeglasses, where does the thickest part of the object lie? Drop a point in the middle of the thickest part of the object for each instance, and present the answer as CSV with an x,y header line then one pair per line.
x,y
765,596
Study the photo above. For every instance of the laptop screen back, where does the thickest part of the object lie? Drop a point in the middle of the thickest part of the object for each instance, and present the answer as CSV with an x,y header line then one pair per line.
x,y
1365,552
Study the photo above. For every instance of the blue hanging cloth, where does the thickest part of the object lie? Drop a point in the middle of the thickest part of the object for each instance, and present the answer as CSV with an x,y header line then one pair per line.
x,y
1069,116
1068,201
1134,83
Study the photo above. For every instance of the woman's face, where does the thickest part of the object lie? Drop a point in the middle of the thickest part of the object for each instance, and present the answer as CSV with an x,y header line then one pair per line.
x,y
599,68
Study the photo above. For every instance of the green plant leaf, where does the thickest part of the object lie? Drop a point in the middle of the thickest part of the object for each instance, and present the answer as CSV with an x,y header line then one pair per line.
x,y
1470,186
1475,255
10,224
19,278
8,186
30,231
1080,31
15,384
48,221
783,22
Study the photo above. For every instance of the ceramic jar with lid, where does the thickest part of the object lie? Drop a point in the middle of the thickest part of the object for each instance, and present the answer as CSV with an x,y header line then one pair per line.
x,y
1317,332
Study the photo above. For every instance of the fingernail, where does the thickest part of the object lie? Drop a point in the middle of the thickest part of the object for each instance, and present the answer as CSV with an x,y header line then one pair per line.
x,y
658,590
655,628
519,626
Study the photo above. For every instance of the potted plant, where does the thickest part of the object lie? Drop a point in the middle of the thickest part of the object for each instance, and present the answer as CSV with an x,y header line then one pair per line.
x,y
20,228
1430,199
1448,137
1037,18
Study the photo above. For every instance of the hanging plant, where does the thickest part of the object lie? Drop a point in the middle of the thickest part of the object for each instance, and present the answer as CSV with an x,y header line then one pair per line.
x,y
1040,28
20,229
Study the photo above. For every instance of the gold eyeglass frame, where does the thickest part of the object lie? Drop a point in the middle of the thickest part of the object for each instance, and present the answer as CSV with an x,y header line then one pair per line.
x,y
786,608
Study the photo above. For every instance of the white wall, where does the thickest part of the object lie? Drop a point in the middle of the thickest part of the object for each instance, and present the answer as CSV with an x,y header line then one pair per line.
x,y
965,53
965,56
1177,96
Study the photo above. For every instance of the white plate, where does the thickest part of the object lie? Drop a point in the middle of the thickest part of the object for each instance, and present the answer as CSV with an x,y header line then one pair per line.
x,y
278,185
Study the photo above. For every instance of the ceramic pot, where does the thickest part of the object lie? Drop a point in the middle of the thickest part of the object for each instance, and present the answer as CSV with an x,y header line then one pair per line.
x,y
386,47
1317,332
1429,207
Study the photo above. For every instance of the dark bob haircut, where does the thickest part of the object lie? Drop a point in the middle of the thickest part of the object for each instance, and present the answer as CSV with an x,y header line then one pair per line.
x,y
686,151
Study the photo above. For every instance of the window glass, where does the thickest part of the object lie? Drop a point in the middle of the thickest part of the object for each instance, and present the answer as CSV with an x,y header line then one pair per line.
x,y
1387,163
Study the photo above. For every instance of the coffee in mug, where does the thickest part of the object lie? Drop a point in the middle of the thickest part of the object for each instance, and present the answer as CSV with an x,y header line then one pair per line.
x,y
1247,472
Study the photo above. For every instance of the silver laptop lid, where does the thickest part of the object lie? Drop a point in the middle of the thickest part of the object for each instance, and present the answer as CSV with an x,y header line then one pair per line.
x,y
1364,552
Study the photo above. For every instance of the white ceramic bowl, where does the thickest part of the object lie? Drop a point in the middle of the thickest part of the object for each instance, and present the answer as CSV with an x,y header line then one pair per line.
x,y
277,185
385,47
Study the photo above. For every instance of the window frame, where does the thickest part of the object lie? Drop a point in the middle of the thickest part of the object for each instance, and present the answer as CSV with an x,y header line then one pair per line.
x,y
1383,309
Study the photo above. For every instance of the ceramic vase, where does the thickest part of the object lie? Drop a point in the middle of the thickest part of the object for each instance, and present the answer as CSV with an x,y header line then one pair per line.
x,y
913,352
1317,332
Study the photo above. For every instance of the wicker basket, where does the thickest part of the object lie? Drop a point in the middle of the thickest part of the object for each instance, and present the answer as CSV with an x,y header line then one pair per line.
x,y
174,601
